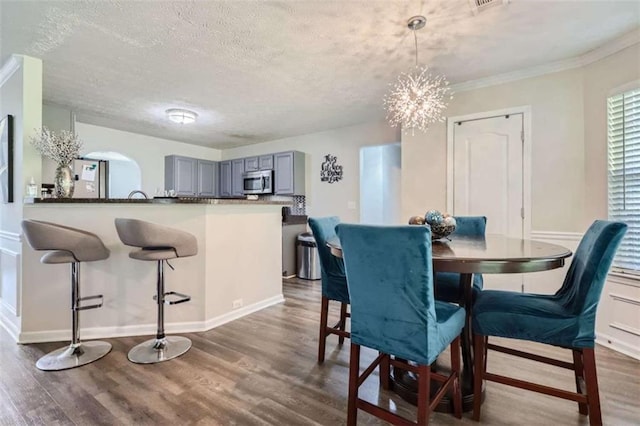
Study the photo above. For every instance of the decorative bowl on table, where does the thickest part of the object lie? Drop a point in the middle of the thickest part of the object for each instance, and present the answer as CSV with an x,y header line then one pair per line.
x,y
442,224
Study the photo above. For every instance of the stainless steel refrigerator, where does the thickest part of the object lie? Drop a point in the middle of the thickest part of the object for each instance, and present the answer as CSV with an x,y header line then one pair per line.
x,y
92,178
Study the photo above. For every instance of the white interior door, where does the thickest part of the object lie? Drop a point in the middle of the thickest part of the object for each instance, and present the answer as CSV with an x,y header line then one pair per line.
x,y
488,180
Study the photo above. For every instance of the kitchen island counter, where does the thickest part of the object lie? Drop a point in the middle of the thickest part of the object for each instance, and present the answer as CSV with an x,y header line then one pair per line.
x,y
237,270
157,200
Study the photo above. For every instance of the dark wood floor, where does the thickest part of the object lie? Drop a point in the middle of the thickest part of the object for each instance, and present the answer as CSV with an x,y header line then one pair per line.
x,y
261,370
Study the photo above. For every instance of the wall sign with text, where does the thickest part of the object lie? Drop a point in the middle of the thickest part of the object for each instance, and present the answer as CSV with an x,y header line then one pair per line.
x,y
330,171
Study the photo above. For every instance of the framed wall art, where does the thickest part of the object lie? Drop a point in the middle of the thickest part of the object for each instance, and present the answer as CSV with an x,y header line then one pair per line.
x,y
6,159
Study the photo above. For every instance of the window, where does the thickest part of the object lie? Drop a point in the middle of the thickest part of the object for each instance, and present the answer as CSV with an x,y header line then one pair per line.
x,y
623,135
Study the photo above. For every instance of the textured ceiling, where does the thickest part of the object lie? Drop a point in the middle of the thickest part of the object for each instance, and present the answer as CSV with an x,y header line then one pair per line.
x,y
263,70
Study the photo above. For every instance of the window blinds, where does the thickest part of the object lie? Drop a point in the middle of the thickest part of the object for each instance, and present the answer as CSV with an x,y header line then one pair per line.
x,y
623,135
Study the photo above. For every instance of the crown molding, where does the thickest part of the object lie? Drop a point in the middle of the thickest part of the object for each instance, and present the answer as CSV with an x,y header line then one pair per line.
x,y
629,39
12,65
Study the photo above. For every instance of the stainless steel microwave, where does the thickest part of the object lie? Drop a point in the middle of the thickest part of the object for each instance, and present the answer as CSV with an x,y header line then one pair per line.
x,y
258,182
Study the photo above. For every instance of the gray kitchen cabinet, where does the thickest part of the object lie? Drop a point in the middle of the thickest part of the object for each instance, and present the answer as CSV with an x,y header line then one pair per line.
x,y
265,162
181,175
289,173
251,164
225,188
206,178
237,183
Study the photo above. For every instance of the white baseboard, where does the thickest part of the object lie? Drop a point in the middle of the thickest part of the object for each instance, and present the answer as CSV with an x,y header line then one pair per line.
x,y
144,329
239,313
618,345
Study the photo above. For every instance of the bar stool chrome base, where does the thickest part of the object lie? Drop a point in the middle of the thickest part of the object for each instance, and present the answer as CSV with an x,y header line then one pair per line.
x,y
159,350
73,355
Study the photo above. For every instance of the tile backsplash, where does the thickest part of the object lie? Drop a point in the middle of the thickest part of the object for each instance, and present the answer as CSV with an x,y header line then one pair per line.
x,y
299,206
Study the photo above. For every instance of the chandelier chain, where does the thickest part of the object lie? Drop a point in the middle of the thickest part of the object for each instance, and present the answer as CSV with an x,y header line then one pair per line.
x,y
415,38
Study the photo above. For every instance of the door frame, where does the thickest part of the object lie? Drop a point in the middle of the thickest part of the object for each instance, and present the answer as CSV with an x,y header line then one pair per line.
x,y
525,110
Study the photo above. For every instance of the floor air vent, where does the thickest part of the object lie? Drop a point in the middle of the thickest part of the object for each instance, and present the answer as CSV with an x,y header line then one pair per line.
x,y
478,6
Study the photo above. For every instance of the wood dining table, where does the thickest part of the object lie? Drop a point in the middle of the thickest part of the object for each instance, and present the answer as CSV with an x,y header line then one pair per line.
x,y
492,254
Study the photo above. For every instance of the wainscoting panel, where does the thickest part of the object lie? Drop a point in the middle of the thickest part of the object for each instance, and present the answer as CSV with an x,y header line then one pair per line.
x,y
618,323
10,281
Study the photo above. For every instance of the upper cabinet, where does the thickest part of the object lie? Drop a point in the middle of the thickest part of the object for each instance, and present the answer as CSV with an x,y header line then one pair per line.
x,y
265,162
288,167
225,179
251,164
237,183
206,178
190,177
181,175
289,173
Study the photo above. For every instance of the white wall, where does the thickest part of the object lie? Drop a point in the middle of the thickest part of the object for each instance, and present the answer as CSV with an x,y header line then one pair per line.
x,y
147,151
325,199
380,176
600,79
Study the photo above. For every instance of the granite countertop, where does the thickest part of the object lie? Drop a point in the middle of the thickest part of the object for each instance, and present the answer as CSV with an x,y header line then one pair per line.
x,y
157,200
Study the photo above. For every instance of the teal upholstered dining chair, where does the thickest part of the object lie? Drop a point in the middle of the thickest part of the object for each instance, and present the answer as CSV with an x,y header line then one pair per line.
x,y
390,280
565,319
447,286
334,282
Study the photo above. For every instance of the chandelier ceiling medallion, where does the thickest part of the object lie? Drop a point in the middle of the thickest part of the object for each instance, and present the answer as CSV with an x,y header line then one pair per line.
x,y
418,98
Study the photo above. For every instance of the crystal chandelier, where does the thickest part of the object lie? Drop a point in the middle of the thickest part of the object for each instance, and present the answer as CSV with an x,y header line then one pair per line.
x,y
419,98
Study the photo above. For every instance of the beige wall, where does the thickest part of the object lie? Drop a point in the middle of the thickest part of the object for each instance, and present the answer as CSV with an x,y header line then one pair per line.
x,y
147,151
324,199
568,144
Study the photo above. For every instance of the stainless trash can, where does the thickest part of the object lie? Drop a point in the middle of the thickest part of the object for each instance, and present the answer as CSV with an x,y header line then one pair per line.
x,y
308,264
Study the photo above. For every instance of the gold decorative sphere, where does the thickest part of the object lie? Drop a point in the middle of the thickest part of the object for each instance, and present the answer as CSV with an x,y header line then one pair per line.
x,y
416,220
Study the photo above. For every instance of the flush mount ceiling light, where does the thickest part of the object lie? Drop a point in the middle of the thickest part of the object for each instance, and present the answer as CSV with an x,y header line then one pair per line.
x,y
181,116
418,98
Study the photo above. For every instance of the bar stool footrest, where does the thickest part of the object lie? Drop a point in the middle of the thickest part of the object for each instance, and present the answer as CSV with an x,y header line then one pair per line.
x,y
181,298
94,306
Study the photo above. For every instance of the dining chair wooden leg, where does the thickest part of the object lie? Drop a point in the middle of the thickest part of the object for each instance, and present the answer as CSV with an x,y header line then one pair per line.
x,y
354,371
480,367
322,339
455,367
385,372
591,382
486,349
424,383
343,321
578,368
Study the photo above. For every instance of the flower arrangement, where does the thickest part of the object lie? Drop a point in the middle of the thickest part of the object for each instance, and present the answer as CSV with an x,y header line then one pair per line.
x,y
61,147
